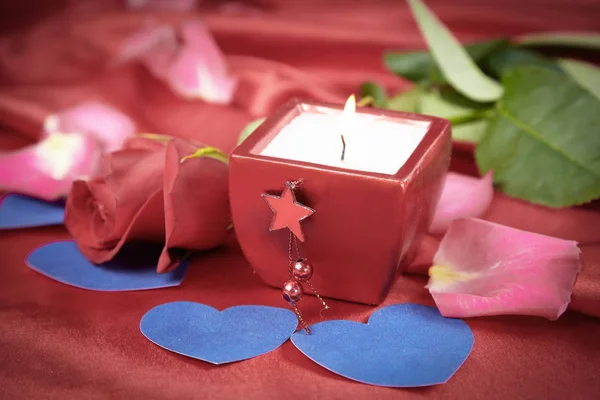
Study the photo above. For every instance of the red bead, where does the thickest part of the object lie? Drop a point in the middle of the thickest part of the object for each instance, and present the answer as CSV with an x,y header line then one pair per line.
x,y
302,270
292,291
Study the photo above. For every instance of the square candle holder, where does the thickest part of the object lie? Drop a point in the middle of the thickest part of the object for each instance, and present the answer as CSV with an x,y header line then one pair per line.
x,y
367,225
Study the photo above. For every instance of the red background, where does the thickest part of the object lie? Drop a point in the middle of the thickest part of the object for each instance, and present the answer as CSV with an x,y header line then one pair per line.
x,y
61,342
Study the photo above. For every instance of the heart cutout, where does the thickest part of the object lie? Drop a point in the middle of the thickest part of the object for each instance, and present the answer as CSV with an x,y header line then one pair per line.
x,y
133,269
202,332
403,345
17,211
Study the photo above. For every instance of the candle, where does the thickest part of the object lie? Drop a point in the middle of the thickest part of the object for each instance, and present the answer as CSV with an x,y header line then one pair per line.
x,y
371,209
374,143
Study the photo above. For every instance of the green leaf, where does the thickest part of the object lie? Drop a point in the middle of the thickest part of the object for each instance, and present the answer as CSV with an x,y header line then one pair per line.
x,y
543,143
582,40
452,59
468,118
248,129
448,103
421,67
471,132
373,90
585,74
503,60
414,66
408,101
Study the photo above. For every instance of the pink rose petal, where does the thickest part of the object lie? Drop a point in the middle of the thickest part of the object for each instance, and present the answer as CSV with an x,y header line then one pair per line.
x,y
462,197
155,45
200,70
108,125
47,168
192,66
174,5
482,268
190,77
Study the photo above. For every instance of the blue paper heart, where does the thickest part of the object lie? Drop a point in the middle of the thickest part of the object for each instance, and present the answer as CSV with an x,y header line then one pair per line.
x,y
133,269
205,333
18,211
403,345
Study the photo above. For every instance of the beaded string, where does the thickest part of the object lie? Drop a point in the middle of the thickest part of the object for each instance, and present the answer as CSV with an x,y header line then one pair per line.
x,y
299,271
291,273
298,258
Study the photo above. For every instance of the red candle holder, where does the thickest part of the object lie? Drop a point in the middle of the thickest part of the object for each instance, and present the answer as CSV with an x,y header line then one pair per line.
x,y
366,226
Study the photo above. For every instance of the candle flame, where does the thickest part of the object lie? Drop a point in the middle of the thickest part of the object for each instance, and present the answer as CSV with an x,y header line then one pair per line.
x,y
350,107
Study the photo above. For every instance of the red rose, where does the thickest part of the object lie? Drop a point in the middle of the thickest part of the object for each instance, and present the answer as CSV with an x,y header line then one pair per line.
x,y
152,191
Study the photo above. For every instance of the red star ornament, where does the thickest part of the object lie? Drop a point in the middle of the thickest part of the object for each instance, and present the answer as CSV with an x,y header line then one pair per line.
x,y
287,212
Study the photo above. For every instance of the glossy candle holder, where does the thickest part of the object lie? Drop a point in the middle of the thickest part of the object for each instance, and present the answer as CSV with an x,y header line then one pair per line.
x,y
367,226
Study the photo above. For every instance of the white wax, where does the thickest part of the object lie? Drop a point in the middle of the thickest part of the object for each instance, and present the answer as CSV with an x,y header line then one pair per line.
x,y
373,143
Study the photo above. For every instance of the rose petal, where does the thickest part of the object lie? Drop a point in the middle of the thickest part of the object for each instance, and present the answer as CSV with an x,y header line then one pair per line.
x,y
175,5
111,127
124,205
482,268
199,70
193,67
191,77
462,197
47,168
155,45
147,224
89,214
133,176
196,203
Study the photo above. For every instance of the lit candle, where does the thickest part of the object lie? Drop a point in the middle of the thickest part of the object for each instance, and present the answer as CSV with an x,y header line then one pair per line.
x,y
371,208
374,143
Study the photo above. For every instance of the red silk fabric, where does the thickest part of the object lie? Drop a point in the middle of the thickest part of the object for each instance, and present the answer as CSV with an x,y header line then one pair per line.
x,y
61,342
